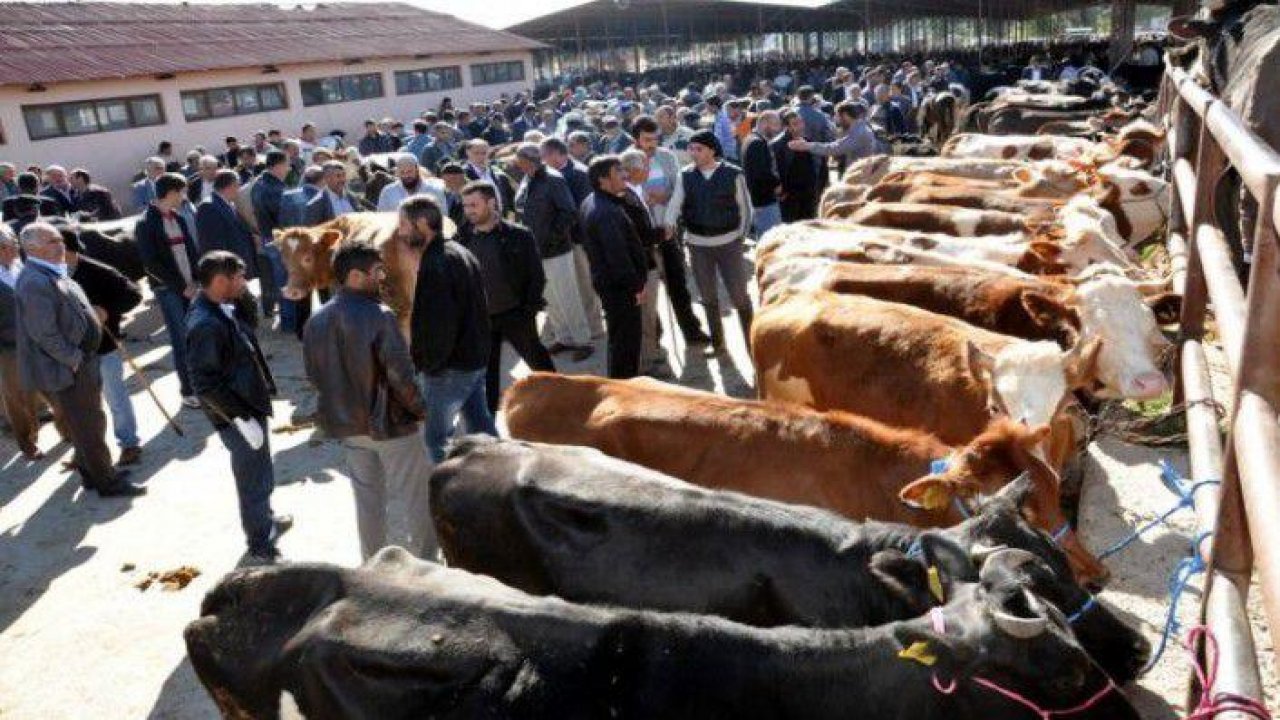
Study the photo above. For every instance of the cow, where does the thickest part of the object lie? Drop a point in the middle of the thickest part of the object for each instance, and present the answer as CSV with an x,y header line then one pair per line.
x,y
405,638
1135,199
963,222
869,171
111,242
1019,147
938,115
1004,200
575,523
1100,305
308,256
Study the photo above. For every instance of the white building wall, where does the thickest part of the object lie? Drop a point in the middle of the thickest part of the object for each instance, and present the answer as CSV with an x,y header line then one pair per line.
x,y
112,158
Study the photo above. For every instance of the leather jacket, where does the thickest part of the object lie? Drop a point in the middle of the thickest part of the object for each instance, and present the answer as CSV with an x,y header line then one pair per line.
x,y
359,363
228,371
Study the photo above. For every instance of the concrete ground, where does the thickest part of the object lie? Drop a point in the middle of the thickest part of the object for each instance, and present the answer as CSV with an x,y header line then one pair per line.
x,y
78,639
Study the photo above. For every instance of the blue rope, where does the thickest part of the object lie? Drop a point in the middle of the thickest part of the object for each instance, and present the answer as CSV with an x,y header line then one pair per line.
x,y
1186,493
1187,568
1088,605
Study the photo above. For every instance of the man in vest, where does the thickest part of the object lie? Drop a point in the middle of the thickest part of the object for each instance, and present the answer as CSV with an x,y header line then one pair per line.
x,y
712,202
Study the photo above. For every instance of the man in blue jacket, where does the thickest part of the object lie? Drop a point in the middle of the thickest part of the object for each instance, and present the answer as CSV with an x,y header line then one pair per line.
x,y
220,227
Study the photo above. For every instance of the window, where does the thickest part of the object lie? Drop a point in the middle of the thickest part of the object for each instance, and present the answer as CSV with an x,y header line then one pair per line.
x,y
411,82
92,116
346,88
228,101
499,72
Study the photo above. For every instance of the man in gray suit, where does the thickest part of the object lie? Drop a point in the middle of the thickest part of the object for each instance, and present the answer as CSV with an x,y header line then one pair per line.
x,y
58,337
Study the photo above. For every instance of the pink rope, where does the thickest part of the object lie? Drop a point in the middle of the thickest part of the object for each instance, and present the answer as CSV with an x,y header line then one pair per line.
x,y
1046,714
1211,703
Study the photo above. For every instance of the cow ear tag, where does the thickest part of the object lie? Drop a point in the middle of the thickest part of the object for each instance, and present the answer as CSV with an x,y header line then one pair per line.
x,y
935,585
918,651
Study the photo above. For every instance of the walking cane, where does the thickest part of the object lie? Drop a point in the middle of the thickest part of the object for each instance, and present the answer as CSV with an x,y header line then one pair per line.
x,y
146,382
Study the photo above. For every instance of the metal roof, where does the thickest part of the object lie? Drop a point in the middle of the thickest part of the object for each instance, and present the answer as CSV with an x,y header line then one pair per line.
x,y
59,42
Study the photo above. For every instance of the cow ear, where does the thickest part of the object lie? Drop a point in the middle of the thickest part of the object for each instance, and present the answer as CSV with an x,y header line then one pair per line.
x,y
1081,366
559,521
949,557
1166,306
932,492
904,578
981,363
277,235
1043,309
1188,27
329,239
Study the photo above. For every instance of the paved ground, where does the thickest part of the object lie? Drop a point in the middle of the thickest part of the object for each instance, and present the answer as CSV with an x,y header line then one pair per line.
x,y
79,640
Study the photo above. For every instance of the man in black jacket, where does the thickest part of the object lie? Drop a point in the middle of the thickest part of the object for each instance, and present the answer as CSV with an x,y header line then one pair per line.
x,y
762,173
169,256
619,266
358,362
220,227
513,281
449,327
800,173
545,206
230,375
94,203
111,295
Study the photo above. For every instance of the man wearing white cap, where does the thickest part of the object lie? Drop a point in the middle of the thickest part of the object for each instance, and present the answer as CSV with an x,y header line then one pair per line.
x,y
410,182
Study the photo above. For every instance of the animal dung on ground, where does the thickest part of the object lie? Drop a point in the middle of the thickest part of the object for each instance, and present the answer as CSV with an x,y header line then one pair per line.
x,y
170,580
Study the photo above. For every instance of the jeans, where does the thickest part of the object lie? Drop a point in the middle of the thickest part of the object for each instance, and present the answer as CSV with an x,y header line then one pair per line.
x,y
123,422
397,468
255,480
280,276
445,396
173,306
765,218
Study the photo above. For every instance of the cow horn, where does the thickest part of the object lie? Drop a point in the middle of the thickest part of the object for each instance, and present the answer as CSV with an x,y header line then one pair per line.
x,y
979,552
1020,627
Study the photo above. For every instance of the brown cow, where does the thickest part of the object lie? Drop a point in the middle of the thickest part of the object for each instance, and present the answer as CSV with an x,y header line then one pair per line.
x,y
1007,200
308,256
964,222
852,465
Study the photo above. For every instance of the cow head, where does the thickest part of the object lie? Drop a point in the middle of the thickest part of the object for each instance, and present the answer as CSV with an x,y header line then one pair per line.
x,y
1136,198
1089,236
1043,257
1050,179
307,254
1114,312
1000,630
1031,381
1051,316
868,171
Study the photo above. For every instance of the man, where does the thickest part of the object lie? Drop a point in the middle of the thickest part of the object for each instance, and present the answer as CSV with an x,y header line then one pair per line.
x,y
545,206
454,180
674,134
58,188
111,295
619,268
169,256
449,328
1036,69
374,140
28,205
723,127
293,204
900,99
761,173
220,227
249,168
144,191
21,403
714,206
230,375
420,139
260,141
231,158
307,137
659,186
268,197
580,147
409,182
334,199
8,181
201,187
635,172
442,148
555,155
58,334
478,168
513,279
799,173
886,115
817,126
856,143
192,168
93,202
357,360
293,150
614,140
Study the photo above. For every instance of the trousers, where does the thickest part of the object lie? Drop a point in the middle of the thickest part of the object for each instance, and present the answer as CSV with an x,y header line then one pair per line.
x,y
389,477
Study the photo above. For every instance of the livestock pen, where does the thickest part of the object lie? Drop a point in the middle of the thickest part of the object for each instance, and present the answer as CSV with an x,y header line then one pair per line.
x,y
1237,529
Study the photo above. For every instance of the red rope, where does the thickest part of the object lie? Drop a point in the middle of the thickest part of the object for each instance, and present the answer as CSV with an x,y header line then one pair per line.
x,y
1212,703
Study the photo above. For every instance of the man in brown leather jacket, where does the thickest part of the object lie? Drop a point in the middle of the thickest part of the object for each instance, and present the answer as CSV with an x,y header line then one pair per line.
x,y
358,361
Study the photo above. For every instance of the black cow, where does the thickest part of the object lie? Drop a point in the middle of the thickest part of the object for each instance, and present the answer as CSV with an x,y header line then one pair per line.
x,y
111,242
573,522
405,638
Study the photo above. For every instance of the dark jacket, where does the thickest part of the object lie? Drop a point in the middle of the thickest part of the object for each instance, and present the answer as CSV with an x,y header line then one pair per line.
x,y
220,227
546,207
450,321
760,171
521,266
320,208
66,203
228,371
153,247
801,178
268,192
619,266
358,362
579,184
293,205
506,188
108,289
8,319
97,203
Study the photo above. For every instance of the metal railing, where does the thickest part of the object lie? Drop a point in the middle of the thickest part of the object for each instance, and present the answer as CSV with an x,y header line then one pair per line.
x,y
1243,512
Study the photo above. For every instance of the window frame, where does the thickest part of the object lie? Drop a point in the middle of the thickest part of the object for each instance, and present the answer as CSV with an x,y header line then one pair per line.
x,y
425,74
480,72
343,84
98,110
203,96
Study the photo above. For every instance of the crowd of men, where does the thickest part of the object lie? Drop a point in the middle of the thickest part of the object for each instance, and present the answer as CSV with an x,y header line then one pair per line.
x,y
607,193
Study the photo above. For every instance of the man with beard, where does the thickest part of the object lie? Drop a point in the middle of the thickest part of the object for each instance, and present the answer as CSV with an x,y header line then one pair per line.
x,y
856,142
409,182
762,173
449,328
358,362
